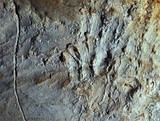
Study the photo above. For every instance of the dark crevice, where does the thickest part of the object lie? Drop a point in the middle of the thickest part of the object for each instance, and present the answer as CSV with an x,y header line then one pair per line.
x,y
129,11
133,90
62,58
102,17
69,44
123,49
91,64
109,57
76,52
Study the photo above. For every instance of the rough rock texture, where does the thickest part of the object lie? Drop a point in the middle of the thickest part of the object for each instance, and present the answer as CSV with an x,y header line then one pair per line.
x,y
81,60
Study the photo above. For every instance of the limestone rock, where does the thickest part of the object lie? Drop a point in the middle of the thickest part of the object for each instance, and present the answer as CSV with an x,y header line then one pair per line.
x,y
80,60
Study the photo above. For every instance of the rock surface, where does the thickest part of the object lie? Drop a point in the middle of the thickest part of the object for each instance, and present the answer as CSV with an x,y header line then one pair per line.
x,y
81,60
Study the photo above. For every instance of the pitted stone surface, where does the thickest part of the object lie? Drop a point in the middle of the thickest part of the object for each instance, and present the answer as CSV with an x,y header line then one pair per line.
x,y
89,60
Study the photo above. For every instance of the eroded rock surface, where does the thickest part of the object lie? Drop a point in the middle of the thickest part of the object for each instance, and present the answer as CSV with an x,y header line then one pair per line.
x,y
90,60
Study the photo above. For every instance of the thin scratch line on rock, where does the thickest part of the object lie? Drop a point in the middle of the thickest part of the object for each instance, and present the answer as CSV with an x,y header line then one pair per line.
x,y
15,61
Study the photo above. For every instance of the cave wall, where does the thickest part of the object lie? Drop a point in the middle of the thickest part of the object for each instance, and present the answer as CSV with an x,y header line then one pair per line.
x,y
89,60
